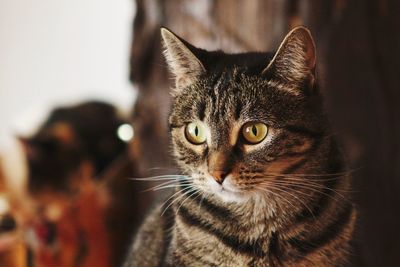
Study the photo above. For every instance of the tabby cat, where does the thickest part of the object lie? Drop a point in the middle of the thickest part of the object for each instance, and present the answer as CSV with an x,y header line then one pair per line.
x,y
264,182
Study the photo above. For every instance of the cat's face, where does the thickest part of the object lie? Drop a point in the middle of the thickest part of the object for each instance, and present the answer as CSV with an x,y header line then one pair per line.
x,y
241,120
52,158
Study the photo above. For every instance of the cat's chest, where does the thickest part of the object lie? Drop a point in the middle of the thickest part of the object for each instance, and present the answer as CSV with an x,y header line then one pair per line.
x,y
199,242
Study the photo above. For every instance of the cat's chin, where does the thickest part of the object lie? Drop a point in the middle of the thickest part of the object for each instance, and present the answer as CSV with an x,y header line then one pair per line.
x,y
229,196
227,192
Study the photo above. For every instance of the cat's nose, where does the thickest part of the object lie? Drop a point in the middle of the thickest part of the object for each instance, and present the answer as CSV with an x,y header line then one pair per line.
x,y
219,176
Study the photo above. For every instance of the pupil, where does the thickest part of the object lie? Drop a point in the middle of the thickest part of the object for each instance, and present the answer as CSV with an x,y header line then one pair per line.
x,y
254,130
196,131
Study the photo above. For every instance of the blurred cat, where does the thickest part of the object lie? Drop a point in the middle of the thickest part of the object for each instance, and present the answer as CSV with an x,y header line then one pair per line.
x,y
69,161
71,136
12,247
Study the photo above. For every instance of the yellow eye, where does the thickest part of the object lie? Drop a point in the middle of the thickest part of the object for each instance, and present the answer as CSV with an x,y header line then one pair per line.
x,y
254,132
195,133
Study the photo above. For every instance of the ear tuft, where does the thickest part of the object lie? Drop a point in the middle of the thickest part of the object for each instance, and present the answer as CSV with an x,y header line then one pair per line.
x,y
181,60
295,60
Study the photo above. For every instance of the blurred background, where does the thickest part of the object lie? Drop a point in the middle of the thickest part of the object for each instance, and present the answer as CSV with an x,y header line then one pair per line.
x,y
84,97
59,52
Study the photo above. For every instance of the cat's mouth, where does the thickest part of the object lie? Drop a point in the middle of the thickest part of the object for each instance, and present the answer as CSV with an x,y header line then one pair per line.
x,y
227,191
228,195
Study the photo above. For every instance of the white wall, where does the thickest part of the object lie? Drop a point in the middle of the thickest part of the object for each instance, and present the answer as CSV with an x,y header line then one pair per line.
x,y
61,51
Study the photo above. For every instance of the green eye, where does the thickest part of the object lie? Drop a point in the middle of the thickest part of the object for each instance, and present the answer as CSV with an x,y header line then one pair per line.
x,y
254,132
195,133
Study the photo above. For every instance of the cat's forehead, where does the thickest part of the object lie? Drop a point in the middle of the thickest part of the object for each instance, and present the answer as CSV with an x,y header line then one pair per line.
x,y
230,96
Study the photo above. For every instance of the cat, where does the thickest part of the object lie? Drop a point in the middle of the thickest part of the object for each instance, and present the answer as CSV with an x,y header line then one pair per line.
x,y
72,135
264,182
73,162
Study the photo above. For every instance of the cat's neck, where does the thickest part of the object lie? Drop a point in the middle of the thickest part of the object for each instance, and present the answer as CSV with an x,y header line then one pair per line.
x,y
256,217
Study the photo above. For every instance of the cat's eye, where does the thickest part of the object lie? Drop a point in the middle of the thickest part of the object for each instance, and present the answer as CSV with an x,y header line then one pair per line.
x,y
254,132
195,133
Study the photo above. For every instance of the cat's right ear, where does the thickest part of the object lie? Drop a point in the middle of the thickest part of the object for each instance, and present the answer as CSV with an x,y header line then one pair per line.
x,y
182,62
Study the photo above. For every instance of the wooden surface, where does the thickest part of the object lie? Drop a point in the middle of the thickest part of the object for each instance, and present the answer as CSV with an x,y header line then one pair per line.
x,y
358,45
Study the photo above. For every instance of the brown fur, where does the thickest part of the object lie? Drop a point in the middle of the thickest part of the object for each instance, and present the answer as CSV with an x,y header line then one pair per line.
x,y
282,202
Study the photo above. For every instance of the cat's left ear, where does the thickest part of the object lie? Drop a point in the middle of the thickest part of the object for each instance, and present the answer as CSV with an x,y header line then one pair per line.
x,y
295,60
182,61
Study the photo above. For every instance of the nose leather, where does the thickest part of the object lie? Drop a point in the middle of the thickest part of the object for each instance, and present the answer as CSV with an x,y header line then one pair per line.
x,y
219,176
219,165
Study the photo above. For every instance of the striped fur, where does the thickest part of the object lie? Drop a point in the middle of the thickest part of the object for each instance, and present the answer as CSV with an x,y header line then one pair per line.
x,y
285,201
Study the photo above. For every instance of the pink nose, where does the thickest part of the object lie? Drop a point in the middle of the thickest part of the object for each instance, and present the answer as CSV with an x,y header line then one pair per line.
x,y
219,176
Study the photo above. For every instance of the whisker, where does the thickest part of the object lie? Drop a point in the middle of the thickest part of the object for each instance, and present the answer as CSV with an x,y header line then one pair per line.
x,y
302,178
160,185
289,180
178,198
195,192
165,185
257,179
306,206
338,174
159,168
278,196
201,200
177,192
171,186
191,189
310,183
314,187
160,177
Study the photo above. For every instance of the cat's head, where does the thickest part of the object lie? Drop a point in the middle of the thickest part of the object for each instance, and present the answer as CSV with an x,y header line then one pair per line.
x,y
240,120
74,141
52,155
